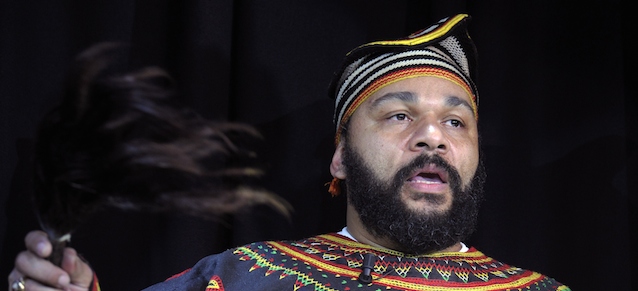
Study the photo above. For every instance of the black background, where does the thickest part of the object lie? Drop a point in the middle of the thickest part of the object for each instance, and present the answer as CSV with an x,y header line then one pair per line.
x,y
558,117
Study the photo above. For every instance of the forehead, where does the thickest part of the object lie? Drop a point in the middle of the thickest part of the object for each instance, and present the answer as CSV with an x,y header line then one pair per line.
x,y
411,89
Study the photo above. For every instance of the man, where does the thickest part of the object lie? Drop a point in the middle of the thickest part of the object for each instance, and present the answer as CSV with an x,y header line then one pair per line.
x,y
407,157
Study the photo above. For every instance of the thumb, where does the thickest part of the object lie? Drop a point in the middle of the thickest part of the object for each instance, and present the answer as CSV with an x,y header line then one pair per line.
x,y
80,273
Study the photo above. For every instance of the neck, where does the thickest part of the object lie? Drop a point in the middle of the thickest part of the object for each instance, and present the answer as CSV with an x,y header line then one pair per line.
x,y
362,235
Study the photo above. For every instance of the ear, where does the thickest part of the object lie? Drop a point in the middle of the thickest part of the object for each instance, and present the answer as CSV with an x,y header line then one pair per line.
x,y
337,169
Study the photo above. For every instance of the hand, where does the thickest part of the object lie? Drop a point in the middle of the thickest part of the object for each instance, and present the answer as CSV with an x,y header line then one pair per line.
x,y
40,274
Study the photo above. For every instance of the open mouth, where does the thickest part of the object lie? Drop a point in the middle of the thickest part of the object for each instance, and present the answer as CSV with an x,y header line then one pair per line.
x,y
431,174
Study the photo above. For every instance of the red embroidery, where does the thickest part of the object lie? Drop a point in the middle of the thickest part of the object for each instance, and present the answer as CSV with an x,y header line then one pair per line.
x,y
215,283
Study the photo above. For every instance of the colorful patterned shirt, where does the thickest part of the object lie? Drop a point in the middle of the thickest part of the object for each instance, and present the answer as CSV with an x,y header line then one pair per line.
x,y
334,262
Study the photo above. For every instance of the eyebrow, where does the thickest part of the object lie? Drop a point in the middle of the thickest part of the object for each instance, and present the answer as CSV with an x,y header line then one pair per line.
x,y
454,101
410,97
404,96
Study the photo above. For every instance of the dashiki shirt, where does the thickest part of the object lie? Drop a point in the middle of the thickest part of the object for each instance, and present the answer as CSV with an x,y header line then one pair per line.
x,y
333,262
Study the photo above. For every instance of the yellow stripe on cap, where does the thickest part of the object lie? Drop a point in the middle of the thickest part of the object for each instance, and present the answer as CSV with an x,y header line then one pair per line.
x,y
422,36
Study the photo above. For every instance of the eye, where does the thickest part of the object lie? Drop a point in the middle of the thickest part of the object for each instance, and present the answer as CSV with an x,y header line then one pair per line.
x,y
455,123
400,116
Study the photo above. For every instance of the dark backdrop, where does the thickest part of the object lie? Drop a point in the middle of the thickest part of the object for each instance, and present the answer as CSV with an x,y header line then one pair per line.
x,y
558,119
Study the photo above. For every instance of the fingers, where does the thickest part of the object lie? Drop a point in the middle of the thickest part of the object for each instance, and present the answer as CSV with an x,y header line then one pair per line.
x,y
14,276
35,268
80,273
29,285
41,274
37,242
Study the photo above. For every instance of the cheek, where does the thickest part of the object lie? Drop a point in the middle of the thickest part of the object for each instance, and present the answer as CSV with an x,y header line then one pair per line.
x,y
377,155
372,153
469,165
465,157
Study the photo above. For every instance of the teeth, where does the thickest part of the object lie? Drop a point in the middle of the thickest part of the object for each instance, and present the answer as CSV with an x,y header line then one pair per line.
x,y
427,182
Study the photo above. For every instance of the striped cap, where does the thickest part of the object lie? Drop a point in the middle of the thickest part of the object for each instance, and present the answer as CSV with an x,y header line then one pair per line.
x,y
443,50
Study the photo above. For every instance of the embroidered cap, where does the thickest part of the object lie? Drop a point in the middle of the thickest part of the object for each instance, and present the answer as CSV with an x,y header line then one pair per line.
x,y
443,50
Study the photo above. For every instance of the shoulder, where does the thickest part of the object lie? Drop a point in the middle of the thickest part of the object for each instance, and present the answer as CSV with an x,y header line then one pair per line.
x,y
247,266
511,277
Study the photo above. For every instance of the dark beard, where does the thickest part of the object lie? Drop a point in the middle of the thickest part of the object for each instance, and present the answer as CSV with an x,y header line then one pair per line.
x,y
385,215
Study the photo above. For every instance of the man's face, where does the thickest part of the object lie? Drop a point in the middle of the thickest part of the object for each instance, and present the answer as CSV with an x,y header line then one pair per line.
x,y
409,160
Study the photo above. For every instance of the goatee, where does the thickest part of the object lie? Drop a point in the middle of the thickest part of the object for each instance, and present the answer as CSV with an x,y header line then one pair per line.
x,y
385,215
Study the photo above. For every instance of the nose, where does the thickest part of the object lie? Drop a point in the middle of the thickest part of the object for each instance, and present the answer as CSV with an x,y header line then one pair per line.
x,y
428,135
